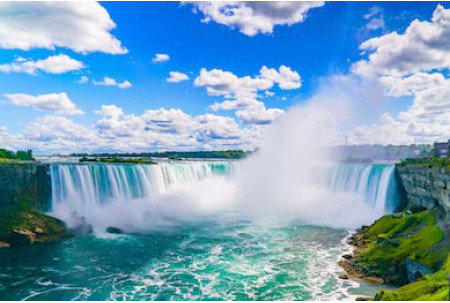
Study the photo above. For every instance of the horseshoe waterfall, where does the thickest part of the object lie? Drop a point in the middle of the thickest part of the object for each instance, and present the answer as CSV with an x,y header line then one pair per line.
x,y
183,231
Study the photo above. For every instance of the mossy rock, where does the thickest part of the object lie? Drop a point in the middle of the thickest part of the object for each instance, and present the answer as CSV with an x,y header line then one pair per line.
x,y
27,227
393,238
434,287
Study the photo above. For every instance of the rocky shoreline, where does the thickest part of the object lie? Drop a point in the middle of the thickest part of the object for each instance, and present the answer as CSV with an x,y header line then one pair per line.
x,y
26,227
407,250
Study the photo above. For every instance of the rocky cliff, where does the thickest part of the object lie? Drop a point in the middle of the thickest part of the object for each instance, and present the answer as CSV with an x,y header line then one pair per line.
x,y
427,187
25,186
25,194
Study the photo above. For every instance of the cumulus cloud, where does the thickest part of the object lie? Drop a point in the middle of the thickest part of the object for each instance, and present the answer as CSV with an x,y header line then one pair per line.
x,y
389,130
57,103
108,81
176,77
83,80
58,64
112,111
255,17
115,130
60,132
285,77
242,93
412,66
425,120
423,46
84,27
160,58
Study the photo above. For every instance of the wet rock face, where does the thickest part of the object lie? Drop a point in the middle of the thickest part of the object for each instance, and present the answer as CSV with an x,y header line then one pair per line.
x,y
427,187
25,186
20,228
115,230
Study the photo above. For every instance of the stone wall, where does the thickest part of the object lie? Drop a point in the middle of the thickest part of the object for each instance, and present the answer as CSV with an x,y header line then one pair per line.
x,y
427,187
25,186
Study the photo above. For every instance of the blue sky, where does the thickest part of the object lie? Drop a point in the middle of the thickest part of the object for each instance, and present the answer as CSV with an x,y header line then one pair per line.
x,y
319,46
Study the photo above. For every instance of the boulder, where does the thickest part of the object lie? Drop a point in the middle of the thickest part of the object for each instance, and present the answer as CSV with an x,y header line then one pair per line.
x,y
114,230
18,228
21,237
343,277
374,280
347,256
4,244
364,299
83,229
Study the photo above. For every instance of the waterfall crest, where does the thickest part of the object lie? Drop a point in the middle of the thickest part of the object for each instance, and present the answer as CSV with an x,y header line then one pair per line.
x,y
370,182
143,194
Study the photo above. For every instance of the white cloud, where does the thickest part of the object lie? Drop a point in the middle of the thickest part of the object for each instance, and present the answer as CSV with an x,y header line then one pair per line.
x,y
108,81
425,120
158,129
376,18
81,26
83,80
259,114
112,111
241,93
394,131
423,46
57,103
412,66
57,64
224,83
269,93
176,77
285,77
256,17
59,132
160,58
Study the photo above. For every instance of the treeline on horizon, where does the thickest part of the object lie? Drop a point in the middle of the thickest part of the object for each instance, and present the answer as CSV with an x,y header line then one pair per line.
x,y
215,154
25,155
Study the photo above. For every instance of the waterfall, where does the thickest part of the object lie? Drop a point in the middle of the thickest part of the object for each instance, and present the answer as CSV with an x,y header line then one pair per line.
x,y
83,189
107,194
374,184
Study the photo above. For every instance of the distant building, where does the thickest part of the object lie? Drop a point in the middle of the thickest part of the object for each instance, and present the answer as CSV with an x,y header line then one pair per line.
x,y
442,149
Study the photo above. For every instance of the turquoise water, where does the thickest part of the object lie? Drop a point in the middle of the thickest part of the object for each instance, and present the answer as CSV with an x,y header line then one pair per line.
x,y
225,259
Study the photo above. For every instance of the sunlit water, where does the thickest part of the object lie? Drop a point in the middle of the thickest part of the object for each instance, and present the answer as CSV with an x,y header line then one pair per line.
x,y
210,260
218,255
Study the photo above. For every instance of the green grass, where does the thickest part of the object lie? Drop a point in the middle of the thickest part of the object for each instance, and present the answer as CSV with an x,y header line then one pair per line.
x,y
430,162
54,229
393,238
434,287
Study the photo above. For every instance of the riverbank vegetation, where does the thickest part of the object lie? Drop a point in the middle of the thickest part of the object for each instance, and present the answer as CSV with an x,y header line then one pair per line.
x,y
19,227
21,155
384,249
119,160
217,154
430,162
434,287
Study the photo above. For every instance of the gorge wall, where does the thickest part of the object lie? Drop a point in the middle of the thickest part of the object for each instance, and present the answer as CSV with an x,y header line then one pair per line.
x,y
25,186
427,187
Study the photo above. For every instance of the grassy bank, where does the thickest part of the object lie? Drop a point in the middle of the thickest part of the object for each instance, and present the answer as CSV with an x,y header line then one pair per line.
x,y
383,248
429,162
434,287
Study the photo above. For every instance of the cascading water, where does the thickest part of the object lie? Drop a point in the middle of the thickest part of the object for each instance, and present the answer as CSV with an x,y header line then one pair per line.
x,y
137,194
374,184
94,190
